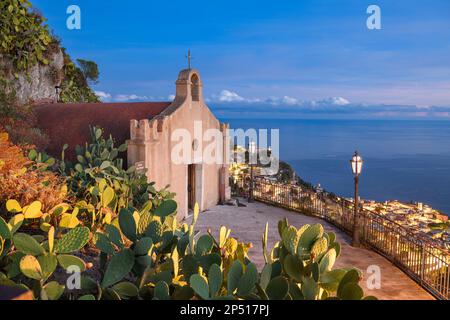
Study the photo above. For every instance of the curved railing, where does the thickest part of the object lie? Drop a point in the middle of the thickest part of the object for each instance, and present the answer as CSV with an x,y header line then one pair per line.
x,y
421,257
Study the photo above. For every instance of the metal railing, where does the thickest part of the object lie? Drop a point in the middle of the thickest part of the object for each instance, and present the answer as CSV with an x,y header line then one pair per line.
x,y
241,187
419,256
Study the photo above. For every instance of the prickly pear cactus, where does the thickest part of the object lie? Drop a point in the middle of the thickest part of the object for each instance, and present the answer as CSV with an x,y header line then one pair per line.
x,y
319,248
144,221
171,263
120,265
302,267
73,240
154,231
290,239
308,237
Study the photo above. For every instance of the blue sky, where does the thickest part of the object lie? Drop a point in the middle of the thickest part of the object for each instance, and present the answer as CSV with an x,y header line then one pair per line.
x,y
270,58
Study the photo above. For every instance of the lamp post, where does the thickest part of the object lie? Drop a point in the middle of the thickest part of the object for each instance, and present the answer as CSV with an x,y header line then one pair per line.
x,y
57,91
356,164
251,154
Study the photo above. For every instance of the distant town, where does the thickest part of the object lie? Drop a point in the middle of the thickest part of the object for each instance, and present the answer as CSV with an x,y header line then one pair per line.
x,y
418,217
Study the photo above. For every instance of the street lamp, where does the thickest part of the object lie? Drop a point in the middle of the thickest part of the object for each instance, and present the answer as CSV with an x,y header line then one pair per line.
x,y
57,92
251,156
356,164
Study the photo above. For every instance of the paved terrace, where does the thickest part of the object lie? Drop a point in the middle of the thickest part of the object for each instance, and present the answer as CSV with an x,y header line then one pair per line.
x,y
247,225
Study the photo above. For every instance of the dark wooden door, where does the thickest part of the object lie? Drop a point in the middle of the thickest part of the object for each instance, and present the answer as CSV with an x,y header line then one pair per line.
x,y
191,186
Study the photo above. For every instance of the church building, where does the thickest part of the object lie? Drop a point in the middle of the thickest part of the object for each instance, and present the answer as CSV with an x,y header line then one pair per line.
x,y
148,128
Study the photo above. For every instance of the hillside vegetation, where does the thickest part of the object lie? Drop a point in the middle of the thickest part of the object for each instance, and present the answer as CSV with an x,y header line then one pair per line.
x,y
32,64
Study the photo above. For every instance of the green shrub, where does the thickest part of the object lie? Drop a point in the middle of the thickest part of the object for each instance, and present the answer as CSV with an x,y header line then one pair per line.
x,y
89,70
99,162
23,37
75,87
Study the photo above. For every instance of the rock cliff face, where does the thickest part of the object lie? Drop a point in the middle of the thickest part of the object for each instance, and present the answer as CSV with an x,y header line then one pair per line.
x,y
38,83
33,62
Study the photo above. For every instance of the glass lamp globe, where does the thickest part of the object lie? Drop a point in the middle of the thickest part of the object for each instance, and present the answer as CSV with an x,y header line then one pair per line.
x,y
356,163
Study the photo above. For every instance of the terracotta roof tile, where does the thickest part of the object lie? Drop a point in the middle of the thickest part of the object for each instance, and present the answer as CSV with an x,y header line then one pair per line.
x,y
69,123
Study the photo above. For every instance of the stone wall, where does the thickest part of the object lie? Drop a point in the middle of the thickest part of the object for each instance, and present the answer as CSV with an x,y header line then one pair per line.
x,y
38,83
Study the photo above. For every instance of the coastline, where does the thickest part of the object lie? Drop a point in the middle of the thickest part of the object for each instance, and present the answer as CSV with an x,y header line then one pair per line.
x,y
418,217
405,159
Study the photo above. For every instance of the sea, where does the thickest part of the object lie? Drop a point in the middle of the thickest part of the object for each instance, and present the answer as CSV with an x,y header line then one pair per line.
x,y
405,160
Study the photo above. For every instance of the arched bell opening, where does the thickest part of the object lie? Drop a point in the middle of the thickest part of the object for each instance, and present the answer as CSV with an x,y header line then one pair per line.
x,y
195,87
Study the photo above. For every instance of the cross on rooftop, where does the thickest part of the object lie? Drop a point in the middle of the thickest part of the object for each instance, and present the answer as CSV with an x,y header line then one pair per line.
x,y
189,57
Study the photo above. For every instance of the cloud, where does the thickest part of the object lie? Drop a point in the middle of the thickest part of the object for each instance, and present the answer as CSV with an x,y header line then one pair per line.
x,y
289,101
229,96
108,97
335,101
130,97
103,96
231,104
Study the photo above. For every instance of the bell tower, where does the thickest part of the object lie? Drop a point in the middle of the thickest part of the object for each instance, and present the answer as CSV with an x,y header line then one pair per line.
x,y
189,86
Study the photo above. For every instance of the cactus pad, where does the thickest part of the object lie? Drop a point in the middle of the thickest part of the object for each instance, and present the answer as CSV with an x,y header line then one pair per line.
x,y
319,248
200,286
73,240
154,231
290,239
248,280
204,245
234,275
327,261
119,266
215,279
293,266
278,288
308,237
144,221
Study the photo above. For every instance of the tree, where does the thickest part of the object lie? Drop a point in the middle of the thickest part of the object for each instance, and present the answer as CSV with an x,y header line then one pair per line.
x,y
89,70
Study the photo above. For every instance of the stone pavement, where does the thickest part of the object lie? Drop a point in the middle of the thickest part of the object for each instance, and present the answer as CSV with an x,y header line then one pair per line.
x,y
247,225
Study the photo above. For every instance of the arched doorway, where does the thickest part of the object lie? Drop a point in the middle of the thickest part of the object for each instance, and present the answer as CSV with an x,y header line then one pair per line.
x,y
195,87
